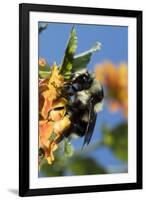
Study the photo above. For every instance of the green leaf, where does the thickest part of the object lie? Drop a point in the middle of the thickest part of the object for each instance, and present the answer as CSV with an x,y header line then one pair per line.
x,y
68,149
85,166
80,61
44,74
117,140
67,63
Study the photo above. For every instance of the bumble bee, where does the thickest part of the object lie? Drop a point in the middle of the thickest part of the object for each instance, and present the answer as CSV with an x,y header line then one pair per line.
x,y
87,95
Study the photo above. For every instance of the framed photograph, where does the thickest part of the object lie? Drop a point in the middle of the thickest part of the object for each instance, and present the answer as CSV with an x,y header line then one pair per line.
x,y
80,99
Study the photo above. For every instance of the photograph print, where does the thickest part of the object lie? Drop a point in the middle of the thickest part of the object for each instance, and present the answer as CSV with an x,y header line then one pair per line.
x,y
83,99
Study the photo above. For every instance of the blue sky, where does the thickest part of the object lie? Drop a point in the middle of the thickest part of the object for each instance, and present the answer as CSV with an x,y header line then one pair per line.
x,y
114,40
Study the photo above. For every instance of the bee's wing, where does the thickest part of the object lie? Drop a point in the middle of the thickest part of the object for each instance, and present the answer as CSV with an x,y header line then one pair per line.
x,y
91,123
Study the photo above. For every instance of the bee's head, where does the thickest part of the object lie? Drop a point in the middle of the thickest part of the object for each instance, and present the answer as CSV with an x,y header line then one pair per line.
x,y
84,80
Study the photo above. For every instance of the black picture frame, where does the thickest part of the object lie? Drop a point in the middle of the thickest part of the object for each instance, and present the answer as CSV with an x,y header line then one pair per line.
x,y
24,9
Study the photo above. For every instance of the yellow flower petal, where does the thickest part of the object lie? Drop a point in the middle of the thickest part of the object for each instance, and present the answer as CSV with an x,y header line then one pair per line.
x,y
62,125
59,102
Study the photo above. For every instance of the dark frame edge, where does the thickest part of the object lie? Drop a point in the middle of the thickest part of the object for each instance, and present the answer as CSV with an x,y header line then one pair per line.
x,y
83,189
139,100
23,103
80,10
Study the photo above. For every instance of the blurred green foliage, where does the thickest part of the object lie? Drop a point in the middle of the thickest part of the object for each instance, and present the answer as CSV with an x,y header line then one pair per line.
x,y
117,140
85,165
80,162
75,165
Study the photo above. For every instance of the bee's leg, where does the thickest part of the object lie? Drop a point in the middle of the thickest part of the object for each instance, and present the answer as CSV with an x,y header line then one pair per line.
x,y
78,128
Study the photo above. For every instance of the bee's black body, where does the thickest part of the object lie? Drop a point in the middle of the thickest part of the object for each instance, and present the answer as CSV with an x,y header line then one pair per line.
x,y
86,94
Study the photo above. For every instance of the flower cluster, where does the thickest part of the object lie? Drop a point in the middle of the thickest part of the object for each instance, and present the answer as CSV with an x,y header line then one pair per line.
x,y
53,120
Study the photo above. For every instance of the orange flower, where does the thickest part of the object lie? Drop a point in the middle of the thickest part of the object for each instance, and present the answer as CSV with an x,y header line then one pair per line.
x,y
45,131
49,132
45,142
53,121
52,91
116,80
42,62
